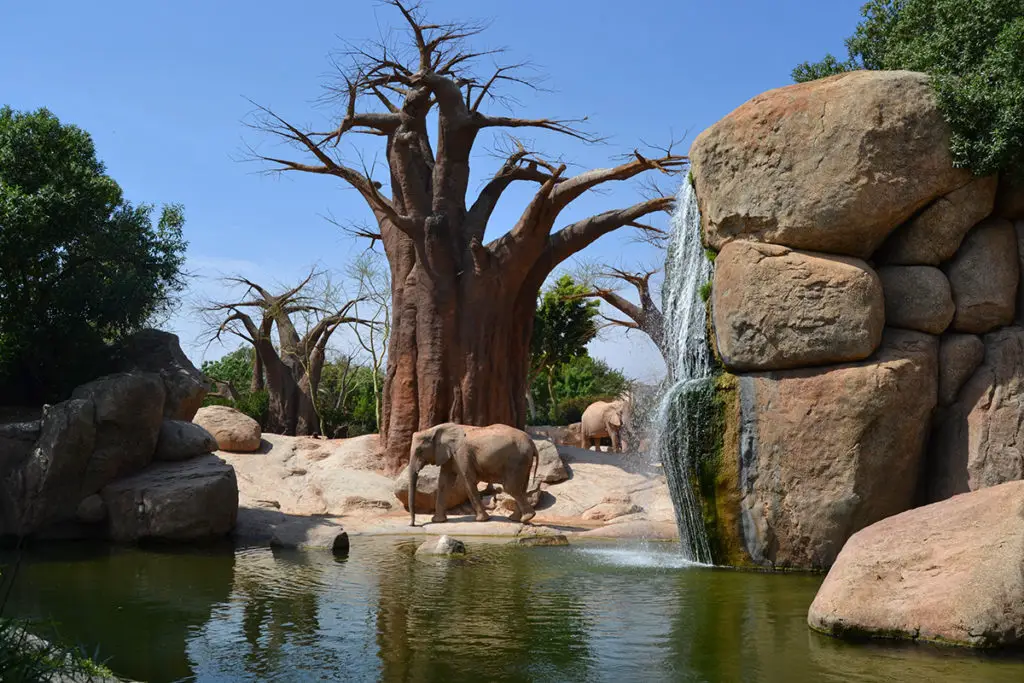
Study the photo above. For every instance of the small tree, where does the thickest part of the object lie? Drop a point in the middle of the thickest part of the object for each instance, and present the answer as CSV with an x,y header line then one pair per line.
x,y
563,325
80,266
293,368
972,49
374,330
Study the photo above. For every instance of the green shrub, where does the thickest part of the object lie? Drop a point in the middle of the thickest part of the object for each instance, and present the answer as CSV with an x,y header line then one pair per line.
x,y
973,51
705,291
24,658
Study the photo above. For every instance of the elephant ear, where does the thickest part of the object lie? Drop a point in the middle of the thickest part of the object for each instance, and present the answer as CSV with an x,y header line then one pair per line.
x,y
448,438
616,418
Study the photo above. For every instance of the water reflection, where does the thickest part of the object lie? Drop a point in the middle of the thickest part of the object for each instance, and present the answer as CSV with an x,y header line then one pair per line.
x,y
597,613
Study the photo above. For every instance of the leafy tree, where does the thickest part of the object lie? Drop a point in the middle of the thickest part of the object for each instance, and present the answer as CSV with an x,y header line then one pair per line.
x,y
973,50
235,368
80,266
563,324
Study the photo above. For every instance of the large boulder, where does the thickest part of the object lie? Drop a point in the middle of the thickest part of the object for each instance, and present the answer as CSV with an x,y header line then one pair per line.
x,y
951,572
550,467
177,501
160,352
826,452
234,430
934,235
977,440
183,440
775,308
917,298
1018,228
426,490
17,440
129,410
959,356
984,277
833,165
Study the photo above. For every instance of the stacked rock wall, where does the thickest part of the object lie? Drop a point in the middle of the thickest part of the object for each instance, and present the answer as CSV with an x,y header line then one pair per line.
x,y
865,294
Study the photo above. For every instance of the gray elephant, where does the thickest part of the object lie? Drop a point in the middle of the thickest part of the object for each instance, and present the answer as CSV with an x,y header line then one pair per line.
x,y
497,454
603,419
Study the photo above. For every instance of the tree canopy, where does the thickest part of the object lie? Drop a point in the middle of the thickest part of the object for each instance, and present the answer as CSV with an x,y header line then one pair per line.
x,y
80,265
973,51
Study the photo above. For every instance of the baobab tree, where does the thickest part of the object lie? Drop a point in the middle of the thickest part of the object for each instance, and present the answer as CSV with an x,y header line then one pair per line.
x,y
293,368
644,316
462,309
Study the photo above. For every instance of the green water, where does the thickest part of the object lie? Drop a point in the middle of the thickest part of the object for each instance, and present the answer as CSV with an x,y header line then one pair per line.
x,y
611,612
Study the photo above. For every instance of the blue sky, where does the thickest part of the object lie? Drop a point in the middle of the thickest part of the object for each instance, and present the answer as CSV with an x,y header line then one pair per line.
x,y
163,87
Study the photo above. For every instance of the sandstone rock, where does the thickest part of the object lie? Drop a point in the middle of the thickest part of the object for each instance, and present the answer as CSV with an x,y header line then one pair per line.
x,y
959,356
426,490
934,235
775,308
308,534
92,509
180,501
234,430
951,572
183,440
826,452
833,165
1010,199
984,277
1018,228
610,510
917,298
550,468
159,352
541,541
977,441
128,413
444,545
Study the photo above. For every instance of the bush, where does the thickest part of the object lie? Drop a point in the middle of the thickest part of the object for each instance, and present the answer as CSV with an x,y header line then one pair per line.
x,y
972,49
79,265
26,658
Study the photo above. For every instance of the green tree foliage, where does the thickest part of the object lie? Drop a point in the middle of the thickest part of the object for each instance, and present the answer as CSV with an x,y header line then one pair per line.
x,y
974,50
234,368
80,266
564,323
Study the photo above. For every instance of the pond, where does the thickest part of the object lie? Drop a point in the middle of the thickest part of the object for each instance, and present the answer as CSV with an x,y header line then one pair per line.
x,y
601,612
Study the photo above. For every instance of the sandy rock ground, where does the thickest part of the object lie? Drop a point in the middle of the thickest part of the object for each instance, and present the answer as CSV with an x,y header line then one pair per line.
x,y
304,488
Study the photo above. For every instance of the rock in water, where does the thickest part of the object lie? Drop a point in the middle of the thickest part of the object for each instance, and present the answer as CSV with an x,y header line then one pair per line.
x,y
917,298
833,165
445,545
951,572
183,440
234,430
178,501
984,276
775,308
826,452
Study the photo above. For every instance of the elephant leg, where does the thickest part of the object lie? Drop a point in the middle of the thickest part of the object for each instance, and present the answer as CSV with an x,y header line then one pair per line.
x,y
469,480
613,434
444,480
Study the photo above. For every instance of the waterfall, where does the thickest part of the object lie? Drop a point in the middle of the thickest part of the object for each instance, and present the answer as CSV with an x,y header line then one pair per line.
x,y
686,402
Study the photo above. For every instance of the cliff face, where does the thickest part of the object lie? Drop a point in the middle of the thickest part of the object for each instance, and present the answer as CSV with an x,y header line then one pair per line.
x,y
865,296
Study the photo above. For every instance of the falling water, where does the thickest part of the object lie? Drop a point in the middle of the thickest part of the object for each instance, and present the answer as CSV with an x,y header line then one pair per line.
x,y
685,405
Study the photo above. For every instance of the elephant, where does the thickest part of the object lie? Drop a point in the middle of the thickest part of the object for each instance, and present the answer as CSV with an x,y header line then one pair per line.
x,y
603,419
497,454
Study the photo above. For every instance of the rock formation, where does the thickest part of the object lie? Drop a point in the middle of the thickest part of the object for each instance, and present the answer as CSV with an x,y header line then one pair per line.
x,y
836,213
232,429
951,572
87,466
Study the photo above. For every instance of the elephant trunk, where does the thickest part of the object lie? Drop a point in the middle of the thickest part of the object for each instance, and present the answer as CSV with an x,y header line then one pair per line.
x,y
414,473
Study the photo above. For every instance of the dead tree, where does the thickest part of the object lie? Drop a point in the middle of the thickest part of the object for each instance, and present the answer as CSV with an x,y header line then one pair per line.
x,y
462,308
292,368
645,316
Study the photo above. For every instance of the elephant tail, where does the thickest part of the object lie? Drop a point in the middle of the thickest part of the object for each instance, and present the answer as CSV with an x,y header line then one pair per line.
x,y
536,465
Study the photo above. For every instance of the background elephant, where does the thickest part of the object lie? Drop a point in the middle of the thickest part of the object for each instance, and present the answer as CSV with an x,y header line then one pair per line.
x,y
498,454
603,419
